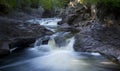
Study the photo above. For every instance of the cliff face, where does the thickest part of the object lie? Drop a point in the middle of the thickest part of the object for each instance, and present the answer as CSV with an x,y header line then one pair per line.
x,y
99,29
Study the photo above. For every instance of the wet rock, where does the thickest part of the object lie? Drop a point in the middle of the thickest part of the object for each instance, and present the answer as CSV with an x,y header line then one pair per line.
x,y
68,28
45,39
22,42
99,29
42,41
19,33
16,28
34,12
68,19
99,39
60,41
4,52
4,48
44,48
48,13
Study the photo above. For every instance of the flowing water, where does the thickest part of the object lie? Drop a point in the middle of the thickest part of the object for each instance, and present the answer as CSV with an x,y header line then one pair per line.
x,y
57,55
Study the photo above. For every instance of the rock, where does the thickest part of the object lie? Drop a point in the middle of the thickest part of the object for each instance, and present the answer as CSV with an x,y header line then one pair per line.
x,y
60,41
42,41
99,39
35,12
15,30
45,39
101,34
4,49
44,48
68,28
11,28
4,52
68,19
22,42
19,33
48,13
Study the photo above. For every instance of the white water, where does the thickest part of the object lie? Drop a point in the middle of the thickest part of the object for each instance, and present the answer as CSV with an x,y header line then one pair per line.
x,y
59,58
64,58
49,23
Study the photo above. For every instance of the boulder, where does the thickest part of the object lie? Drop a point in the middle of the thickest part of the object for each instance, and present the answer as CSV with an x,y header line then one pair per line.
x,y
42,41
4,52
60,41
44,48
47,13
4,49
35,12
68,28
22,42
68,19
11,28
20,33
96,38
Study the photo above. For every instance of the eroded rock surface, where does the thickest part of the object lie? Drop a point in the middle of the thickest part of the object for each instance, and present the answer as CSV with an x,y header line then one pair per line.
x,y
97,32
18,33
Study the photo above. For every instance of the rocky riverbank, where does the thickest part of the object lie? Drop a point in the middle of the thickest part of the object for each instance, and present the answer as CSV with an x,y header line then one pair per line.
x,y
96,34
16,32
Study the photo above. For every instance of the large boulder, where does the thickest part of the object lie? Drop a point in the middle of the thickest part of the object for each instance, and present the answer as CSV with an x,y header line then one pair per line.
x,y
15,28
48,13
60,41
68,19
67,28
4,48
97,38
19,33
4,52
22,42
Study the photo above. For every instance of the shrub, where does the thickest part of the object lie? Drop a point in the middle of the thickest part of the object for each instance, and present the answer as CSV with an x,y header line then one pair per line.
x,y
113,3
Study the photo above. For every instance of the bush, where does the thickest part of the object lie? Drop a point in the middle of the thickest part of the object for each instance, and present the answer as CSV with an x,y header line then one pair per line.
x,y
47,4
113,3
51,4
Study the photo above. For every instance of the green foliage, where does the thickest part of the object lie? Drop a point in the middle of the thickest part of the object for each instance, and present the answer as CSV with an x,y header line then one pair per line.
x,y
6,6
60,3
47,4
11,3
35,3
51,4
114,3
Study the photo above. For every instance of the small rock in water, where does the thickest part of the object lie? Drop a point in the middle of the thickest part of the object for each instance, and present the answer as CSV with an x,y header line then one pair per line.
x,y
44,48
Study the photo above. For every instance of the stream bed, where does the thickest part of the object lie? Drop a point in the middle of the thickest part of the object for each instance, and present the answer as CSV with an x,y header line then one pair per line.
x,y
57,55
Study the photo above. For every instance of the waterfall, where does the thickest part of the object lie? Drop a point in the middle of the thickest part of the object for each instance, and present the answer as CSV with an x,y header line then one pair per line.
x,y
57,41
56,53
66,44
70,44
49,23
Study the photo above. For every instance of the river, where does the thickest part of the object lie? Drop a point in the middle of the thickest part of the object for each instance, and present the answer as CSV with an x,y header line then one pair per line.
x,y
56,55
